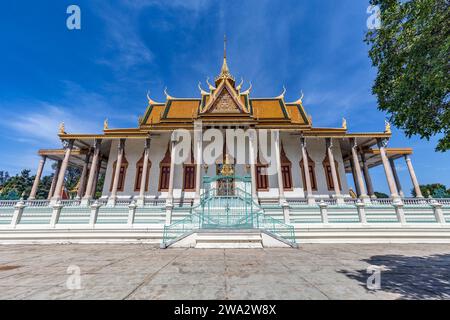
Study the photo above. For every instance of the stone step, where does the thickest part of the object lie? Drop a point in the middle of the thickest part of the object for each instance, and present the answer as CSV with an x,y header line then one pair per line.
x,y
229,239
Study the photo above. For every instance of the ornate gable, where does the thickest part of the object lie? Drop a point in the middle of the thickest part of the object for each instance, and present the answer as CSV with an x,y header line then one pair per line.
x,y
225,104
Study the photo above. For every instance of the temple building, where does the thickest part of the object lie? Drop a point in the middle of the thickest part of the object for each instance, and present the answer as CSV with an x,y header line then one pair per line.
x,y
145,186
130,156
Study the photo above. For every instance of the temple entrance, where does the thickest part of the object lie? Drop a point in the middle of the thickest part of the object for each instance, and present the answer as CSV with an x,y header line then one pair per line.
x,y
227,203
225,184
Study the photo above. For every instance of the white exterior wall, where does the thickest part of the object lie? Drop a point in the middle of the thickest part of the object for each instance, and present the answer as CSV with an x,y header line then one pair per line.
x,y
134,149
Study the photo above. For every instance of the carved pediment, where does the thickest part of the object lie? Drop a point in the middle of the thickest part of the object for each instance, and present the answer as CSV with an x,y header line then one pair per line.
x,y
225,104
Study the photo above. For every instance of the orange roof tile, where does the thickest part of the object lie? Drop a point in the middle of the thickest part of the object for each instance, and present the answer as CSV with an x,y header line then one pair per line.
x,y
268,109
182,109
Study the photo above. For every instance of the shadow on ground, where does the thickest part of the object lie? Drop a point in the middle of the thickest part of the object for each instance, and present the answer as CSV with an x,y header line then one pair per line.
x,y
410,276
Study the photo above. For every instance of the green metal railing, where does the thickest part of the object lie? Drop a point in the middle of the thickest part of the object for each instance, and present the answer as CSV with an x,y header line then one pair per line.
x,y
230,210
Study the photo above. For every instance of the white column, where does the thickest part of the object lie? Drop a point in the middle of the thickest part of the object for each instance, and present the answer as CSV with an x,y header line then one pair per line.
x,y
282,198
309,194
54,180
252,157
358,173
173,150
388,170
198,137
82,184
120,151
396,178
92,172
62,172
37,179
413,177
367,178
337,190
144,173
355,180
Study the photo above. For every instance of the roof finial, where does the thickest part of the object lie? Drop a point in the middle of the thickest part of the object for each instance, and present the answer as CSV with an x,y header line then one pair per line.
x,y
62,129
387,127
225,71
225,46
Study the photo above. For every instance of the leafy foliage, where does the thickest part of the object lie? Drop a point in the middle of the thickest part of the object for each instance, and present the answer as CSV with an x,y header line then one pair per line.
x,y
16,186
381,195
13,188
411,52
436,190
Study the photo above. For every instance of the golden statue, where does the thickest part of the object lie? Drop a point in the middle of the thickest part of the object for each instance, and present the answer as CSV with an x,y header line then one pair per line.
x,y
344,123
227,168
387,127
105,124
62,129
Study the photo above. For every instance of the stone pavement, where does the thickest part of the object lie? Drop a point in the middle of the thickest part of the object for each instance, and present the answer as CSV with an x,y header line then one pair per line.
x,y
114,271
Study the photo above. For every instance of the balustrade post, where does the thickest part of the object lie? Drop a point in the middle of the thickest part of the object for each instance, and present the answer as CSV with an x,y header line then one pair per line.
x,y
438,213
131,213
169,209
398,206
18,211
94,214
286,213
324,212
361,207
55,214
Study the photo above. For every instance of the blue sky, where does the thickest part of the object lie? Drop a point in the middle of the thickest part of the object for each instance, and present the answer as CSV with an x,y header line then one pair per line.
x,y
50,74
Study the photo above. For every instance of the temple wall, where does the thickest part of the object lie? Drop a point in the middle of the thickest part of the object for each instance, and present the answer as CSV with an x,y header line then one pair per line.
x,y
134,151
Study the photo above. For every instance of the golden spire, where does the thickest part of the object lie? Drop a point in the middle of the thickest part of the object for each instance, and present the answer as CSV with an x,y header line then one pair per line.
x,y
225,71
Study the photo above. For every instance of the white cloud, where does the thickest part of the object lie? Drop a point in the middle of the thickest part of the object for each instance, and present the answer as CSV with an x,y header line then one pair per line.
x,y
42,125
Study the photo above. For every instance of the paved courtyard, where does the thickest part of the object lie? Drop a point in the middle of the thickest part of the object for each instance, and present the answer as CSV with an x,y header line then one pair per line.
x,y
409,271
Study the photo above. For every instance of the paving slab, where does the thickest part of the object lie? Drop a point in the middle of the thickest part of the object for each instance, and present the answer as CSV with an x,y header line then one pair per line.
x,y
316,271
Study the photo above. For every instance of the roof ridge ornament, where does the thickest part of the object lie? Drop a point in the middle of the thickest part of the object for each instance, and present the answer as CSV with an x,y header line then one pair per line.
x,y
239,87
211,87
387,127
300,100
281,96
62,129
168,97
344,123
246,92
105,124
202,92
150,100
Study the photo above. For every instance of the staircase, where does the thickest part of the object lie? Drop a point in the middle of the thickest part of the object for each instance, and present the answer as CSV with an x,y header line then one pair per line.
x,y
229,239
228,219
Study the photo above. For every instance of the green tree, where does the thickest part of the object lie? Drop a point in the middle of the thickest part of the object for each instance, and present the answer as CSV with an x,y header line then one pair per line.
x,y
436,190
44,187
381,195
411,51
72,177
17,186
